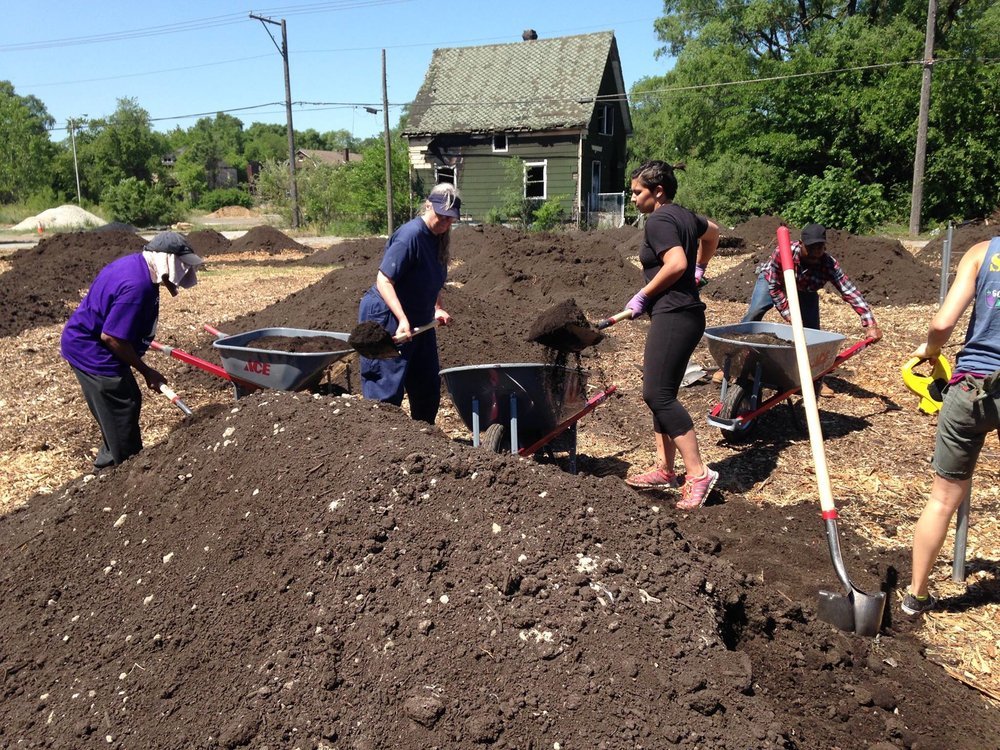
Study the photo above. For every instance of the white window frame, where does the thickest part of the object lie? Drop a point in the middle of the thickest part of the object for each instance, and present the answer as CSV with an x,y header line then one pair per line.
x,y
606,119
506,143
544,165
450,173
595,176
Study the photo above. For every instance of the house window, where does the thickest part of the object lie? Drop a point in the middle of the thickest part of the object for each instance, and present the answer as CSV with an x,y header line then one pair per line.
x,y
444,174
595,177
534,179
500,142
606,119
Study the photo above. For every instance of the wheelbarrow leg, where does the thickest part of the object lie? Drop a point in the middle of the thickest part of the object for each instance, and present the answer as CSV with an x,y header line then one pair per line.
x,y
513,424
961,538
475,422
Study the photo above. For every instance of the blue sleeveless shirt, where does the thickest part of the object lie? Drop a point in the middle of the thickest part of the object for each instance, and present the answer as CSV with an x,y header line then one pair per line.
x,y
981,353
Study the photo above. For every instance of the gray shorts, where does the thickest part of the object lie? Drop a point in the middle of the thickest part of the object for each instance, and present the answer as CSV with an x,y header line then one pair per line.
x,y
968,415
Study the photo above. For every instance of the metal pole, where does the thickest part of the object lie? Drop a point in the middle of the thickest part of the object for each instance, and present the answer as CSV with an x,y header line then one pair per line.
x,y
945,265
388,149
293,190
76,168
917,195
961,538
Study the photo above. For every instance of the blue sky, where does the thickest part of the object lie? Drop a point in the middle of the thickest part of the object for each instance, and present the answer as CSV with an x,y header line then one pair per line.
x,y
197,57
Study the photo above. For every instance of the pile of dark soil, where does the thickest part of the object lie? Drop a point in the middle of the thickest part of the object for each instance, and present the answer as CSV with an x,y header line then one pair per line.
x,y
300,572
45,282
881,268
266,239
963,237
207,242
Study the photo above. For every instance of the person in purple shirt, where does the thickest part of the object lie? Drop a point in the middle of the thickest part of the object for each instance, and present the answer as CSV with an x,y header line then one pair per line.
x,y
108,334
971,409
406,295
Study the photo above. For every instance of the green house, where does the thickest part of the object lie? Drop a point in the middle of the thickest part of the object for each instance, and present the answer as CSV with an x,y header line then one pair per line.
x,y
559,106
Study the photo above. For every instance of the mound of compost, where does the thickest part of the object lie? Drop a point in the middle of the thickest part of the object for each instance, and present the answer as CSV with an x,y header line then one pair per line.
x,y
881,268
268,240
297,571
44,282
963,237
206,242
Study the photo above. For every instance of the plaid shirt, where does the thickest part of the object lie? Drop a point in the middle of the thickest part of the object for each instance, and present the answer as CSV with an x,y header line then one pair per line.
x,y
812,278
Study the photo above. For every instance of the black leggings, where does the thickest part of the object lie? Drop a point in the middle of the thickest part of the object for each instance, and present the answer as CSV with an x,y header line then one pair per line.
x,y
670,342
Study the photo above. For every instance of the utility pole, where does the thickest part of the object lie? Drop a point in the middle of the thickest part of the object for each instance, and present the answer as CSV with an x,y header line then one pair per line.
x,y
917,195
283,50
388,149
76,168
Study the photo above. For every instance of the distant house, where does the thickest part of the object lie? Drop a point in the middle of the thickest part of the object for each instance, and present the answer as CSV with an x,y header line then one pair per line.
x,y
559,105
307,157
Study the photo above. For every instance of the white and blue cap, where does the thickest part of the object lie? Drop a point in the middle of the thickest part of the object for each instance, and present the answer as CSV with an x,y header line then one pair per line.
x,y
173,243
446,205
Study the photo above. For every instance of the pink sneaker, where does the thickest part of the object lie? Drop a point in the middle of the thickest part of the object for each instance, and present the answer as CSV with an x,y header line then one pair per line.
x,y
655,477
695,491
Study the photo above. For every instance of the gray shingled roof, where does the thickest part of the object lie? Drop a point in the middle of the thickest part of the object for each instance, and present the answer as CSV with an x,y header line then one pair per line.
x,y
540,84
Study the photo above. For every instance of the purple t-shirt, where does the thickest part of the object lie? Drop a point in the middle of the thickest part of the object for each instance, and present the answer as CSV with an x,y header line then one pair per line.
x,y
122,302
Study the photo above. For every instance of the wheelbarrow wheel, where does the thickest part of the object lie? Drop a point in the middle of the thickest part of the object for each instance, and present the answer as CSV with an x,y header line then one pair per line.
x,y
493,438
736,403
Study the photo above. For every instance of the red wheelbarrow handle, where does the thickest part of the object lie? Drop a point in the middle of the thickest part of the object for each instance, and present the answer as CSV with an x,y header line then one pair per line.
x,y
592,404
201,364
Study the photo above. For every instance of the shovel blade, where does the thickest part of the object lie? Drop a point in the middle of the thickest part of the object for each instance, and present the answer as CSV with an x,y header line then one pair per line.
x,y
855,612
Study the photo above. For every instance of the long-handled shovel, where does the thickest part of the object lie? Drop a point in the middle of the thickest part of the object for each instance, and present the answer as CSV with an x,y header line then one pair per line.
x,y
854,610
372,341
169,392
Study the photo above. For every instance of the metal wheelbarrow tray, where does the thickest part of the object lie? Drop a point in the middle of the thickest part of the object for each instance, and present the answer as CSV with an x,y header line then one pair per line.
x,y
270,368
756,366
521,404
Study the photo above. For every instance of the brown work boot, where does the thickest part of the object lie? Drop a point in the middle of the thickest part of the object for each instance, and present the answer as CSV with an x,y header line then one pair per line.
x,y
717,377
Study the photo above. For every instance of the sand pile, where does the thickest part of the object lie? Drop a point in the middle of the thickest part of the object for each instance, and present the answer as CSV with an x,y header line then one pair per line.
x,y
62,217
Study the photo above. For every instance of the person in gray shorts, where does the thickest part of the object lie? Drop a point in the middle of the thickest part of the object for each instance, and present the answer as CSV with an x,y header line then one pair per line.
x,y
970,410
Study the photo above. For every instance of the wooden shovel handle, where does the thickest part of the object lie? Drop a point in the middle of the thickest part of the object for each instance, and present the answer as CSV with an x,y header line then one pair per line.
x,y
616,318
417,331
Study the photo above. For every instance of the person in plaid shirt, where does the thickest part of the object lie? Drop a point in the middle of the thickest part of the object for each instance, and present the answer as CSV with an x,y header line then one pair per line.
x,y
814,268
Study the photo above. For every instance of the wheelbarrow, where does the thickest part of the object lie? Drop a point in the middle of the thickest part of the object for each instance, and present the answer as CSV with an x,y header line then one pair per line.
x,y
250,368
760,357
522,407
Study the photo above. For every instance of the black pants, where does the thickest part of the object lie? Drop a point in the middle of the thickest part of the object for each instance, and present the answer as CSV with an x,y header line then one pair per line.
x,y
115,404
670,342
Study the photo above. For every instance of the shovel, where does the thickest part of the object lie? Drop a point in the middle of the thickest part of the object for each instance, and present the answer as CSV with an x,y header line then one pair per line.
x,y
565,328
854,610
172,396
372,341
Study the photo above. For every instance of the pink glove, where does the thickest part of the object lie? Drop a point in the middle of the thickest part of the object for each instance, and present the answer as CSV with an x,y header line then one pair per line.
x,y
638,304
699,271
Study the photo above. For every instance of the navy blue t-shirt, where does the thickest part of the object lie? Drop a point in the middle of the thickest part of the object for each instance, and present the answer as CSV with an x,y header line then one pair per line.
x,y
411,263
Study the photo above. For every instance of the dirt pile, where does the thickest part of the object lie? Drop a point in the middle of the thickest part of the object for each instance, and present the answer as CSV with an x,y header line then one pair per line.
x,y
963,237
45,282
881,268
207,242
266,239
305,572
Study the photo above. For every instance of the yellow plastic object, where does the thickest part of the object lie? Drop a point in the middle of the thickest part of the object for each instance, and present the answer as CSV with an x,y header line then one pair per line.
x,y
927,387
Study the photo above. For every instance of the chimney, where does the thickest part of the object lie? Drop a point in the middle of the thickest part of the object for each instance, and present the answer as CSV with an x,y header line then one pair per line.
x,y
529,35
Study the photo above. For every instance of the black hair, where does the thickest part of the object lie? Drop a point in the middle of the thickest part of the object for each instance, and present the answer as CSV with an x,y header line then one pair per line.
x,y
656,173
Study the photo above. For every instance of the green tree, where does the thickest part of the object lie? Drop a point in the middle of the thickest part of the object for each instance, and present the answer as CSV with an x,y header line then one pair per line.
x,y
786,93
26,152
118,147
211,145
264,142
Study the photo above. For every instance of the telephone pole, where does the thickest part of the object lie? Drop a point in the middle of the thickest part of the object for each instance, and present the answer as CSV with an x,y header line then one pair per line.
x,y
917,195
76,168
388,149
283,50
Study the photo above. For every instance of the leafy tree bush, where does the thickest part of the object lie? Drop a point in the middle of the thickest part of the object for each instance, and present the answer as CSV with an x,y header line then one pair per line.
x,y
839,199
133,202
26,150
216,199
549,215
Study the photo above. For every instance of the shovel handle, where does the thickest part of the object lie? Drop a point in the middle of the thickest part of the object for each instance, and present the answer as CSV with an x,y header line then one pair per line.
x,y
616,318
213,330
417,331
172,396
